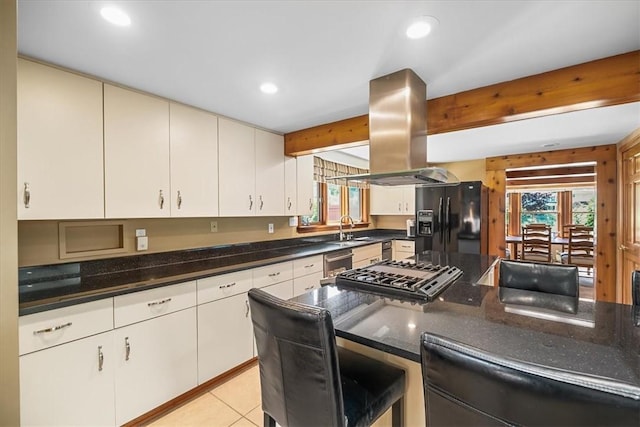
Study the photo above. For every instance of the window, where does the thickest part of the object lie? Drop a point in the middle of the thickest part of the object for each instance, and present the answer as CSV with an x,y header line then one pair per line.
x,y
331,202
333,199
539,208
555,208
583,203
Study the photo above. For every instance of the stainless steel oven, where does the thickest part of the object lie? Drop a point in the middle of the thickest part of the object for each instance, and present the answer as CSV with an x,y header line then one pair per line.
x,y
336,262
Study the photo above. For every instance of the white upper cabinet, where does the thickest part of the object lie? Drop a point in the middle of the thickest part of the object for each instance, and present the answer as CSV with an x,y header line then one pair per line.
x,y
237,168
269,174
396,200
290,186
194,162
136,147
251,170
59,124
304,171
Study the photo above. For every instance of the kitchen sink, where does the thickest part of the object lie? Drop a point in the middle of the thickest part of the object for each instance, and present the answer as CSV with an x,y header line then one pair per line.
x,y
346,243
363,238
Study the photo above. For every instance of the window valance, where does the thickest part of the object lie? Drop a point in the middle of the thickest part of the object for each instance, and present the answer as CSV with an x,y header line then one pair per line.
x,y
323,169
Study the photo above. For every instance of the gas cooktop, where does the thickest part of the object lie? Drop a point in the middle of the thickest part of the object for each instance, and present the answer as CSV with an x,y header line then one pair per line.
x,y
401,278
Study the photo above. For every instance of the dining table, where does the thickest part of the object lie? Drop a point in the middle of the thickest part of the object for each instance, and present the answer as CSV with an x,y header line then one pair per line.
x,y
517,240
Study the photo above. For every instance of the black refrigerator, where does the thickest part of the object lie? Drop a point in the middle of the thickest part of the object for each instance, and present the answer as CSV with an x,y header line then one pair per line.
x,y
452,218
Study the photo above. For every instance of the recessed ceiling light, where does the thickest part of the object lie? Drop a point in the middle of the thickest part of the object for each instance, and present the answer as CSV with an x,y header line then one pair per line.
x,y
550,144
421,27
269,88
115,16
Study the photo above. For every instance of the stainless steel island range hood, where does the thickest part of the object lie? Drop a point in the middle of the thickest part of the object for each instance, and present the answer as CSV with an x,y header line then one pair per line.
x,y
398,133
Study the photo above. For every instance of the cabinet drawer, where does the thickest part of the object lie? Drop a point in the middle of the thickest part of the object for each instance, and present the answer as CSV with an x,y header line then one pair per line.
x,y
308,265
404,245
271,274
53,327
139,306
367,252
225,285
306,283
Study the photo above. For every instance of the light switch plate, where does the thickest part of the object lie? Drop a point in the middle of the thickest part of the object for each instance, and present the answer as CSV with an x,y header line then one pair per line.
x,y
293,221
214,226
270,228
141,232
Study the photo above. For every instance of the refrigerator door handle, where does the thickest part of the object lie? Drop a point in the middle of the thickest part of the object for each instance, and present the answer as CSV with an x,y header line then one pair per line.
x,y
448,220
441,222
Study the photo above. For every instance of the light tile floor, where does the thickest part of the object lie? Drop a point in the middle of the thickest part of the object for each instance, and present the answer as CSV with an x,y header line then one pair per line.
x,y
234,403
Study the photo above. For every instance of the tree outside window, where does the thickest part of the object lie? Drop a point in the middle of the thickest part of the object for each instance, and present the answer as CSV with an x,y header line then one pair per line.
x,y
540,208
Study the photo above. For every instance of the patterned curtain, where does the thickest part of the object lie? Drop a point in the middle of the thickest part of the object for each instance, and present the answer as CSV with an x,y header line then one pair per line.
x,y
323,169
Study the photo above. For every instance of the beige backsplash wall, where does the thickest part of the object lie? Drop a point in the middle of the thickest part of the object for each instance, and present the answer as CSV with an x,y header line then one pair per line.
x,y
38,241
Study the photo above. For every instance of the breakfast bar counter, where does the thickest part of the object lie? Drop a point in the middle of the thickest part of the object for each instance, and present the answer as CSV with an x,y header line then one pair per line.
x,y
601,339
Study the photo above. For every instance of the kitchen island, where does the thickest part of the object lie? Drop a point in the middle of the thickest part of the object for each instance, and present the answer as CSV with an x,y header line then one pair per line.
x,y
601,339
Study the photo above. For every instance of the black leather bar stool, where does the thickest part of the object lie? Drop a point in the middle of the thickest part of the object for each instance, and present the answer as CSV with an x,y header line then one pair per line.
x,y
550,286
466,386
307,380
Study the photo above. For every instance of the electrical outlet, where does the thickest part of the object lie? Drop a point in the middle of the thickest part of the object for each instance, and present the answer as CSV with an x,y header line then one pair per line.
x,y
141,232
214,226
293,221
142,243
270,228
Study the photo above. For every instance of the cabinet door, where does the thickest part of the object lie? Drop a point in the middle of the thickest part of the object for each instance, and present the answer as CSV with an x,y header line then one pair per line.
x,y
194,162
225,336
387,200
306,283
290,186
409,196
70,384
136,147
282,290
269,174
59,120
156,361
305,183
236,167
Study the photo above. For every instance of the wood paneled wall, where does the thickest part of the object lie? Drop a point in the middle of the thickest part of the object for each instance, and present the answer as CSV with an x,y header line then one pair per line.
x,y
606,204
608,81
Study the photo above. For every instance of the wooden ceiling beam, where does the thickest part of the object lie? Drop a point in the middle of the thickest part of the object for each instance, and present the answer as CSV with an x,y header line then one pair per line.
x,y
565,170
573,180
604,82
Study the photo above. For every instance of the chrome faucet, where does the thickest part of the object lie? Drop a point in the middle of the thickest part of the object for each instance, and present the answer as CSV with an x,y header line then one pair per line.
x,y
342,234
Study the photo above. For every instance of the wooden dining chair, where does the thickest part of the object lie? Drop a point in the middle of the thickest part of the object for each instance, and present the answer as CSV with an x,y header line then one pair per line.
x,y
580,248
536,243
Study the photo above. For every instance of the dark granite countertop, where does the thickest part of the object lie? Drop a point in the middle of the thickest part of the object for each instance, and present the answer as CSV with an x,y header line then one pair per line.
x,y
601,339
48,287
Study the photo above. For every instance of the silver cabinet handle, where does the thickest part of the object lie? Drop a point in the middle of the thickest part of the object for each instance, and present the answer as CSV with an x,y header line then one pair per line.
x,y
26,198
246,314
289,203
179,199
127,348
406,206
400,207
310,204
309,266
163,301
250,202
100,358
52,329
161,200
274,274
308,288
227,286
261,203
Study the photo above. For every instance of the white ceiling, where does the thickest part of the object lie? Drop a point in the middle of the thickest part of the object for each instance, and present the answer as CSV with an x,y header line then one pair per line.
x,y
322,54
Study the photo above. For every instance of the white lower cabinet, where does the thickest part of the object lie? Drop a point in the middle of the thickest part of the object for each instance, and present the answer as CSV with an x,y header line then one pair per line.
x,y
156,360
403,249
225,336
69,384
306,283
283,290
